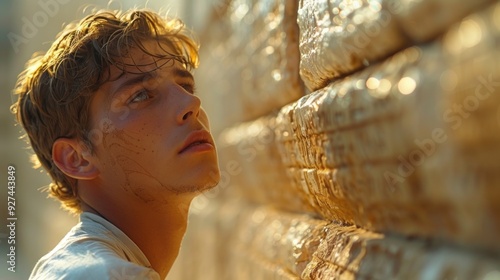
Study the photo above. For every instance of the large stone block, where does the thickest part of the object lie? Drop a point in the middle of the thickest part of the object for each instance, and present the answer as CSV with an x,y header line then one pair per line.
x,y
347,252
250,61
251,165
339,37
271,244
407,145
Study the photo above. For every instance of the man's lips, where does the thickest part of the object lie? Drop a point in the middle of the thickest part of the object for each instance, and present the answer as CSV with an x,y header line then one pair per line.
x,y
199,139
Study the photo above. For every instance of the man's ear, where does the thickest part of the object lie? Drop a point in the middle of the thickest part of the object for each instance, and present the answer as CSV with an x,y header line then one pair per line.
x,y
73,160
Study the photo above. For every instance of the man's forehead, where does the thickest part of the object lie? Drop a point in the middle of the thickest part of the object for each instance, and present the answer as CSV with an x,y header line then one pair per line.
x,y
170,69
147,64
147,58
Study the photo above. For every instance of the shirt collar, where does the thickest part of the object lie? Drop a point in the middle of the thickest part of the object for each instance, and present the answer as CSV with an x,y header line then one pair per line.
x,y
129,247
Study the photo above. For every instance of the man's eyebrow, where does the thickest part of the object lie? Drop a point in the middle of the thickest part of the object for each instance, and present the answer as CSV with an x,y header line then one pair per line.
x,y
137,79
141,78
183,73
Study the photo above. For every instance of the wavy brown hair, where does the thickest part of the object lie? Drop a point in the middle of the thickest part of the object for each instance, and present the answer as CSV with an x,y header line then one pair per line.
x,y
56,88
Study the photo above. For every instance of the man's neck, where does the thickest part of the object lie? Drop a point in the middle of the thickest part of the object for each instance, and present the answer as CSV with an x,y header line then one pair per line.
x,y
156,230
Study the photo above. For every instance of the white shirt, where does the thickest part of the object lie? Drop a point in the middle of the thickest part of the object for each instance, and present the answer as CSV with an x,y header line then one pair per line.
x,y
94,249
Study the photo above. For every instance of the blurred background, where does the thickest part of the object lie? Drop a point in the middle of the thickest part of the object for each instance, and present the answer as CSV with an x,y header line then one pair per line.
x,y
27,27
304,148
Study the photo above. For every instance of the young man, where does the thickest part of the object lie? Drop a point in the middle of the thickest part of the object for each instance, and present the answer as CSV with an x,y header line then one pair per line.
x,y
111,114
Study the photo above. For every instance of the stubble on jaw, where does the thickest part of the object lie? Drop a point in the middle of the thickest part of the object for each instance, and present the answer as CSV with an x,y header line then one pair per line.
x,y
136,178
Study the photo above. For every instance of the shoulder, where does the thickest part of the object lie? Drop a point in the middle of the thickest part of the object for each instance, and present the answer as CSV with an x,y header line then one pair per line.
x,y
88,265
88,259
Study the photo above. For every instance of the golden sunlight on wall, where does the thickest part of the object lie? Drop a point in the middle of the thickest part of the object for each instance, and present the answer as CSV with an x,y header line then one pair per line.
x,y
357,140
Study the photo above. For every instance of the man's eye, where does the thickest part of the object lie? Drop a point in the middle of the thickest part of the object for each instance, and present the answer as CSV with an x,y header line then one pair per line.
x,y
189,88
139,96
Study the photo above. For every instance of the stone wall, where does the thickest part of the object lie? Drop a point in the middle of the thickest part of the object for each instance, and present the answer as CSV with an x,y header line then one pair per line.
x,y
357,140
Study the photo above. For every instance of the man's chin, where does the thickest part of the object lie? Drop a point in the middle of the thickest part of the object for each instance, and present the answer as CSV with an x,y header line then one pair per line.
x,y
209,186
197,189
212,181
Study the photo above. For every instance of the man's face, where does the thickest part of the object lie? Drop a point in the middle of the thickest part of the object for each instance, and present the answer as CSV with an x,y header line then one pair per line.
x,y
151,137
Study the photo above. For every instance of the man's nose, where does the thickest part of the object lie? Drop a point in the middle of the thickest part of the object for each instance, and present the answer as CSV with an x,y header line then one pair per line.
x,y
189,106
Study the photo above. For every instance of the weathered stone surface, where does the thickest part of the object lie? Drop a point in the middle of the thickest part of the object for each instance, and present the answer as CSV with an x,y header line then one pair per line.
x,y
250,63
338,37
407,145
251,165
390,172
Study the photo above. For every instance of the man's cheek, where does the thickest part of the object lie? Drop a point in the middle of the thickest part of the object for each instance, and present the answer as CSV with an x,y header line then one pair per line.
x,y
149,194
